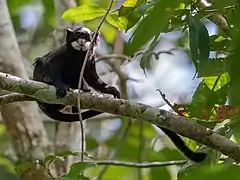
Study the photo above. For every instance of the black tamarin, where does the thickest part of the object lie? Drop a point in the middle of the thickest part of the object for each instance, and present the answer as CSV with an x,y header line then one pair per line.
x,y
61,68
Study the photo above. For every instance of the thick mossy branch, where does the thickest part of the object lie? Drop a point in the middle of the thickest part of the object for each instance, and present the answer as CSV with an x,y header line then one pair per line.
x,y
178,124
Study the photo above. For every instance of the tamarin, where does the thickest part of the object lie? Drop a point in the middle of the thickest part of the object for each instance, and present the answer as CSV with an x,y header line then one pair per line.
x,y
61,68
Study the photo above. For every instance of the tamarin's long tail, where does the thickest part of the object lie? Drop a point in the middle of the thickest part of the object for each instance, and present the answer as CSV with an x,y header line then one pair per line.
x,y
179,143
52,111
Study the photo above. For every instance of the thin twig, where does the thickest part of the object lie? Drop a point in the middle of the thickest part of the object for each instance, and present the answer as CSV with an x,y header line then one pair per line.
x,y
131,164
114,68
164,98
107,57
215,83
156,54
81,76
138,165
168,103
47,168
115,10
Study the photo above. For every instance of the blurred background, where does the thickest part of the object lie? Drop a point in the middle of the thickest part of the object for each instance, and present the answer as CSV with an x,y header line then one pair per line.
x,y
39,29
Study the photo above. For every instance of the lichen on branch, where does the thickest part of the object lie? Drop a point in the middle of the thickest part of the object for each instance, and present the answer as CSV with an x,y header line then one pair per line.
x,y
181,125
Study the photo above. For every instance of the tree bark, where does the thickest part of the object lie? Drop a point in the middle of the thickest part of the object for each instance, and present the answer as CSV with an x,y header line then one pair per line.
x,y
161,118
22,119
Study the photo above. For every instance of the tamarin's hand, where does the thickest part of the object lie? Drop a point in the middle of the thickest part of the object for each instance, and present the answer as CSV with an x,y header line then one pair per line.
x,y
61,90
112,90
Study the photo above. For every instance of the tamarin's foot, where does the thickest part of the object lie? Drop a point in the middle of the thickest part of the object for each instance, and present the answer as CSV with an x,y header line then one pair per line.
x,y
113,91
62,90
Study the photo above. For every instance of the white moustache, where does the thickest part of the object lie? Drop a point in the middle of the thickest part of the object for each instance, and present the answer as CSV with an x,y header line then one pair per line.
x,y
81,45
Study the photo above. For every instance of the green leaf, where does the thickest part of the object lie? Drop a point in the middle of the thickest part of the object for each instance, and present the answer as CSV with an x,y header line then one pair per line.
x,y
219,43
147,8
3,130
234,69
204,100
162,172
60,155
232,16
7,165
217,82
181,12
49,158
177,20
214,67
83,13
86,2
129,16
22,168
107,30
52,158
131,13
209,172
234,124
151,24
125,11
129,3
199,41
133,3
114,20
222,4
145,62
117,173
76,169
67,153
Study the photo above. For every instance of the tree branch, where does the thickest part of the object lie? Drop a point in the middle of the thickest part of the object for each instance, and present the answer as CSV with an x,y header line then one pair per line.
x,y
181,125
138,165
14,97
216,18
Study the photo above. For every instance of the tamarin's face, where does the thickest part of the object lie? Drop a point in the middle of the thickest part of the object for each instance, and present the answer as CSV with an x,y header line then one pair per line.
x,y
80,38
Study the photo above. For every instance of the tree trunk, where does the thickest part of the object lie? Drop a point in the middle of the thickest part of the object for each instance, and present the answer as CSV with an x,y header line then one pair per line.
x,y
22,119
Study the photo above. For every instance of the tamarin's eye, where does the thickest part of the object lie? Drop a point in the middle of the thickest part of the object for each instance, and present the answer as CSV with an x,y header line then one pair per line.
x,y
87,37
83,35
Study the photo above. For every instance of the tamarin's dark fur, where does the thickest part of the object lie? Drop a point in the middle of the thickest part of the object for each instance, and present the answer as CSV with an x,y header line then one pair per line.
x,y
61,68
179,143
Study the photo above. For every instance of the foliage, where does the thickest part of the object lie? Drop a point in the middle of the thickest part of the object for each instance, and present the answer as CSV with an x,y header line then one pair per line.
x,y
220,77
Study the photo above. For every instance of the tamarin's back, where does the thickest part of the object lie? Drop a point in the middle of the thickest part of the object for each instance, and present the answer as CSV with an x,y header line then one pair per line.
x,y
60,62
61,67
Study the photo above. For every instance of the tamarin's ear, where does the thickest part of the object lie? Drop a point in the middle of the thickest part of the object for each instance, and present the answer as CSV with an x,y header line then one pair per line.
x,y
69,34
